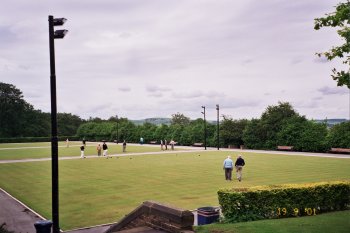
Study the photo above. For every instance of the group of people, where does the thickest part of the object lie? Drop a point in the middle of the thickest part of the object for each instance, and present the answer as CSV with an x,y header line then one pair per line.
x,y
164,144
99,149
228,167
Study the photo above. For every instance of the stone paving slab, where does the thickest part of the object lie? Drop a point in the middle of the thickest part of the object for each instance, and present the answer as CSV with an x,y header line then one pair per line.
x,y
18,217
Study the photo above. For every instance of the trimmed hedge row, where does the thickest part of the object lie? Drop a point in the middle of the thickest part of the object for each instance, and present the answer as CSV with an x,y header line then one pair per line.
x,y
37,139
265,202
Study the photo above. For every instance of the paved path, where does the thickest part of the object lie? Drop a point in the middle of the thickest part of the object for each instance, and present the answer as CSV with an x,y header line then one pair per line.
x,y
95,156
17,216
190,149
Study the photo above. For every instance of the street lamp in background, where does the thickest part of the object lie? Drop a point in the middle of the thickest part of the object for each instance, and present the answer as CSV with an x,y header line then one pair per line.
x,y
218,139
117,127
58,34
205,129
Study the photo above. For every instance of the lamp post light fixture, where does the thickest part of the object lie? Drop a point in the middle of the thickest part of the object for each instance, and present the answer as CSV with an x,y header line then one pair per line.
x,y
218,128
205,129
59,34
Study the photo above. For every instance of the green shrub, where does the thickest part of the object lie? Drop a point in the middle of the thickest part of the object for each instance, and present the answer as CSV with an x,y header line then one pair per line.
x,y
265,202
339,135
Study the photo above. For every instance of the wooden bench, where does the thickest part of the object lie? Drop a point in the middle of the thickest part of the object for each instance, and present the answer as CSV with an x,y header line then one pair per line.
x,y
286,148
153,142
340,150
198,144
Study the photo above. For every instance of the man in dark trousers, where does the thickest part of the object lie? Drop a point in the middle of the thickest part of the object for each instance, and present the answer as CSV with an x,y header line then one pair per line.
x,y
228,166
239,166
124,146
105,149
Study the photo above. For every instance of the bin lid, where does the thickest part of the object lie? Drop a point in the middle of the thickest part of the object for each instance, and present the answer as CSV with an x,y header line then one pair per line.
x,y
43,223
209,209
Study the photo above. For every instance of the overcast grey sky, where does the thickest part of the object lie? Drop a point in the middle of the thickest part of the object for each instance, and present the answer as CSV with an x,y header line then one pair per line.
x,y
154,58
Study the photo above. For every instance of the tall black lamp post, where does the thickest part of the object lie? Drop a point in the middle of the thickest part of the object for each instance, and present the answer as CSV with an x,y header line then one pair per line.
x,y
218,129
117,127
58,34
205,129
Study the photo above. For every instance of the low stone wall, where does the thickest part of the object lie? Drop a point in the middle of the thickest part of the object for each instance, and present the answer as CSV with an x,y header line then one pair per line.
x,y
157,216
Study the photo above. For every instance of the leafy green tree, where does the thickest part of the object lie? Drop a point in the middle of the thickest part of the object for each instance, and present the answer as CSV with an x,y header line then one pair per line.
x,y
313,137
211,135
272,121
126,131
341,19
175,132
339,135
95,119
68,124
147,131
231,131
13,109
197,131
87,130
161,132
291,132
103,131
37,124
180,119
254,136
263,133
186,136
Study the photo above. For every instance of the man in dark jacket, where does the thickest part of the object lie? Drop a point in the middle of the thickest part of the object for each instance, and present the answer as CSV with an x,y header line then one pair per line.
x,y
239,166
105,149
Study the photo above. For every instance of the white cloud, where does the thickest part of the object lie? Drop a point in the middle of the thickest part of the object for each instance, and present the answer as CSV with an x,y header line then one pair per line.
x,y
154,58
333,90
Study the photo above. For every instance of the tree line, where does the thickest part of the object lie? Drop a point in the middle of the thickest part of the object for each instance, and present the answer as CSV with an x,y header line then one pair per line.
x,y
18,118
278,125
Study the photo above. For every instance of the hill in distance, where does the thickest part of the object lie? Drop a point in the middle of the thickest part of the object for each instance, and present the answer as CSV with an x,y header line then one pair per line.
x,y
155,121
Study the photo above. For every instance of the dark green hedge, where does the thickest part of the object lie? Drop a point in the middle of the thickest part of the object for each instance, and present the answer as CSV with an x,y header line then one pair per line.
x,y
264,202
37,139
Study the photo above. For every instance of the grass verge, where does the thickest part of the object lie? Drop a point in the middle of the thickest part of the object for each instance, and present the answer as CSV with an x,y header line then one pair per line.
x,y
336,222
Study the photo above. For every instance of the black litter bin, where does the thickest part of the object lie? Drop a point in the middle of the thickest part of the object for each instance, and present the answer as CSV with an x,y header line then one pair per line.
x,y
43,226
207,215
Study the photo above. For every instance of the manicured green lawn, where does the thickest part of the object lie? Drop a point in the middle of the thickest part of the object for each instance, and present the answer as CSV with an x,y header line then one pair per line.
x,y
336,222
98,190
12,151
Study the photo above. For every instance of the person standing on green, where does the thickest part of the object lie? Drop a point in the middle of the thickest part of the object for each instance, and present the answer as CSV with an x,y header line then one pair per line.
x,y
98,148
82,148
124,146
239,166
228,166
105,149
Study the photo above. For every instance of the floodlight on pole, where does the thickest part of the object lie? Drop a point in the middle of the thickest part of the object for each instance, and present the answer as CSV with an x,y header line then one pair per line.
x,y
205,129
59,21
59,34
